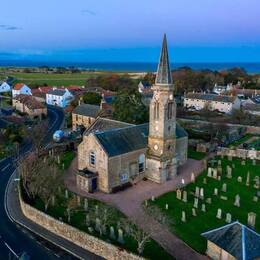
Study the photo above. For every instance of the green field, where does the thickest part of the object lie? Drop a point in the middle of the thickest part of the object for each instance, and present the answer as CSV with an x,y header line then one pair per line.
x,y
191,230
65,79
196,155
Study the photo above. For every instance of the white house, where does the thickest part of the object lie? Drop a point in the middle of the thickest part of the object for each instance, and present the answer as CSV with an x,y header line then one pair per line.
x,y
59,97
213,102
5,87
222,89
21,88
144,87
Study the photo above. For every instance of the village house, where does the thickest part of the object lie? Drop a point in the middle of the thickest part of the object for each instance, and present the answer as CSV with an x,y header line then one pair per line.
x,y
114,155
144,87
21,88
29,105
218,89
5,87
233,242
59,97
84,115
221,103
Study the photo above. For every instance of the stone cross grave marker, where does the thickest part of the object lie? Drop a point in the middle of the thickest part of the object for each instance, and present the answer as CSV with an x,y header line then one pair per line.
x,y
239,179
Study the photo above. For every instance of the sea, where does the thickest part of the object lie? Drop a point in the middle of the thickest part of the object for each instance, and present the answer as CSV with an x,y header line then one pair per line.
x,y
132,66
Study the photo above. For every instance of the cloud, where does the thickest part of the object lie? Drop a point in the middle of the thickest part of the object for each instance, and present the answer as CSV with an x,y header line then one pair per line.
x,y
89,12
9,27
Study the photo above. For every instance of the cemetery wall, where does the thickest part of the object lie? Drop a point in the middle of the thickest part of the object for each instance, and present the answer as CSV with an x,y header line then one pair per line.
x,y
240,153
82,239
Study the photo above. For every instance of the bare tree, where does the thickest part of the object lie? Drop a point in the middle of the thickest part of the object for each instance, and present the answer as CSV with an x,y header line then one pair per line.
x,y
37,135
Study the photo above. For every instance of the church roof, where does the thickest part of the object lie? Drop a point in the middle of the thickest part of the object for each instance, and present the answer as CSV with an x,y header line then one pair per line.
x,y
164,75
87,110
128,139
236,239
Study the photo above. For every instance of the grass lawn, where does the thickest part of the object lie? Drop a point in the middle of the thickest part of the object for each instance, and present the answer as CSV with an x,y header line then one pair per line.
x,y
191,230
240,141
65,79
196,155
66,159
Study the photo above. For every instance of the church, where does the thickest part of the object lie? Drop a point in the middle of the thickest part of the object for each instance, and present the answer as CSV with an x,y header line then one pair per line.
x,y
114,155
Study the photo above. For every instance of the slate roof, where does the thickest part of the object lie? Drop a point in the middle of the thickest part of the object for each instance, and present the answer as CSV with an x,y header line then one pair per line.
x,y
211,97
87,110
103,124
236,239
128,139
164,75
57,92
29,101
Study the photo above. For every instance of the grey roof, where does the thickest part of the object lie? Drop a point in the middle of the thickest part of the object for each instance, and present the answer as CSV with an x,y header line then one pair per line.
x,y
87,110
103,124
164,75
237,239
128,139
57,92
211,97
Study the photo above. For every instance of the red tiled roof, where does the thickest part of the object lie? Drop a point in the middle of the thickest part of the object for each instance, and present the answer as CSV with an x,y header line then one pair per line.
x,y
18,86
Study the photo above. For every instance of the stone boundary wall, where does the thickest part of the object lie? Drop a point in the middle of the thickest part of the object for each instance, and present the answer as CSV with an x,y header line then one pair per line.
x,y
82,239
240,153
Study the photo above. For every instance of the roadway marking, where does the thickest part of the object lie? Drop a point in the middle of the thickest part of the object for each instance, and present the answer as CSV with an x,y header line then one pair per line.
x,y
5,167
11,250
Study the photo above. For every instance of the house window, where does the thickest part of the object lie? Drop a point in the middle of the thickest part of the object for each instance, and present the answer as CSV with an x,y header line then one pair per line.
x,y
92,158
141,161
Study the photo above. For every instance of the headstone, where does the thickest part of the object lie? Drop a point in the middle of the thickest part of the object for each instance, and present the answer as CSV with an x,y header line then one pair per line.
x,y
203,207
204,180
96,210
166,206
120,238
219,170
66,194
202,193
215,173
85,204
224,187
254,162
239,179
216,191
237,201
223,197
146,203
97,225
228,218
152,198
230,158
209,200
251,219
219,178
90,229
243,163
178,194
219,214
233,166
184,198
257,182
255,199
219,162
183,216
194,214
87,219
209,172
248,179
196,203
192,178
112,233
197,192
229,172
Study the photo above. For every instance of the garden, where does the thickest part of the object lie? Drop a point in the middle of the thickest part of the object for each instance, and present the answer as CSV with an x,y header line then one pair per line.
x,y
209,202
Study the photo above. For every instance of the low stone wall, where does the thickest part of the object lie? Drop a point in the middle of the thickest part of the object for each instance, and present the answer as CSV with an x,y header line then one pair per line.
x,y
240,153
82,239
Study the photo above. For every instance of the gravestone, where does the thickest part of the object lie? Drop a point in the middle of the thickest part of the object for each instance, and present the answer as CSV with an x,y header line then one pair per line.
x,y
230,158
239,179
219,178
183,216
184,198
196,203
243,163
237,201
203,207
178,194
66,194
216,191
98,225
202,193
152,198
58,159
204,180
194,214
257,182
254,162
251,219
205,164
219,162
248,179
223,197
112,233
166,206
90,229
197,192
219,214
233,166
209,200
224,187
219,170
96,210
120,238
255,199
146,203
192,178
215,173
229,172
87,220
228,218
209,172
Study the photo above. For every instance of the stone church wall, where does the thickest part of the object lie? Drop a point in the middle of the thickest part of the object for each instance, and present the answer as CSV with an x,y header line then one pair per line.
x,y
182,149
82,239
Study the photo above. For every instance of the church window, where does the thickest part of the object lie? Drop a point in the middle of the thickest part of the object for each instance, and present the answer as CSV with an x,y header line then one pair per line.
x,y
170,110
156,110
141,162
92,158
124,177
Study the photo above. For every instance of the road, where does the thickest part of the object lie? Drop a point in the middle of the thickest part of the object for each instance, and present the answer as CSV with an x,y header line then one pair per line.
x,y
13,239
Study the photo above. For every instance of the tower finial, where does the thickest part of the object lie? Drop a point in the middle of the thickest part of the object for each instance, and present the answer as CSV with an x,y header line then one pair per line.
x,y
164,75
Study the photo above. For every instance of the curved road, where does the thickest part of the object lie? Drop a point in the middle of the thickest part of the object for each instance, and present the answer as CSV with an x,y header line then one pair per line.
x,y
13,239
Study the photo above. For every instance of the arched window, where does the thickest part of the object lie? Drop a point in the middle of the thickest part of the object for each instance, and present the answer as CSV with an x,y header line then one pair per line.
x,y
156,110
141,163
92,159
170,110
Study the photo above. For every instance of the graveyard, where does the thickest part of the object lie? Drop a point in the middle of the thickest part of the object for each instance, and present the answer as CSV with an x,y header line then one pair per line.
x,y
227,191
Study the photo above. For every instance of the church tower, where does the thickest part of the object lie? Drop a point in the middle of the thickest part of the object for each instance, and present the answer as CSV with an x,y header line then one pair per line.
x,y
161,154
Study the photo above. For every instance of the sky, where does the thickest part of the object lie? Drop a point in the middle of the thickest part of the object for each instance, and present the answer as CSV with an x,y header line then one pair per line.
x,y
130,30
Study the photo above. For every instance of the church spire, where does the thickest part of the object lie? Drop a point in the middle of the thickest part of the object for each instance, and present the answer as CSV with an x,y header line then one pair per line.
x,y
164,75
